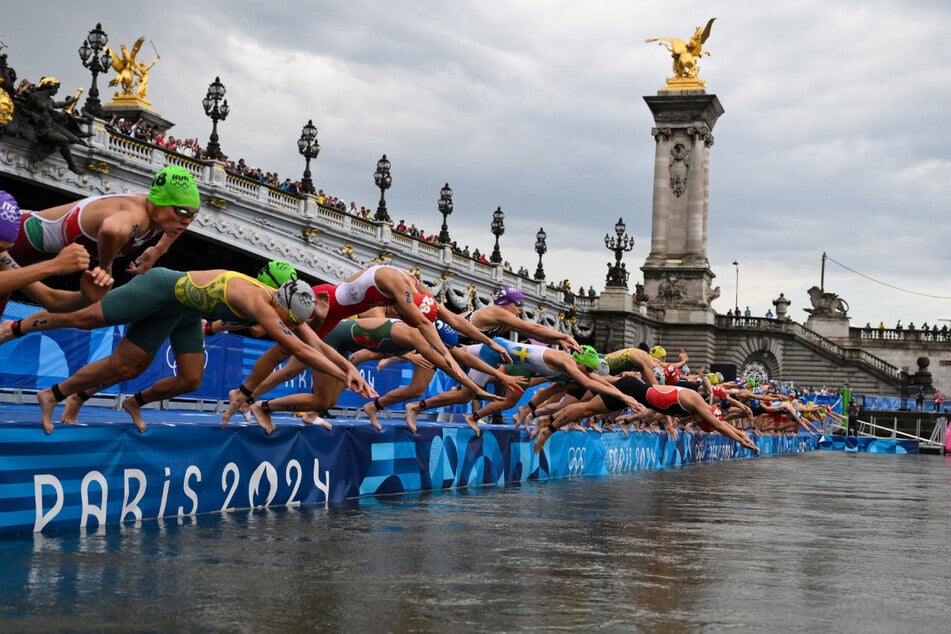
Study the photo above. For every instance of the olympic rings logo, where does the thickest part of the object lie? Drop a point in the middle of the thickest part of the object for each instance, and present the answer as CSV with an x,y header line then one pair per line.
x,y
576,456
172,365
9,212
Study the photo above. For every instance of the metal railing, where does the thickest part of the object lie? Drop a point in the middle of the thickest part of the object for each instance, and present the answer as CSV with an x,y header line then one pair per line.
x,y
868,428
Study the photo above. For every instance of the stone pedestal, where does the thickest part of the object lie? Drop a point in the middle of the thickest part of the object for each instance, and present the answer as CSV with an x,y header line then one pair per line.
x,y
132,109
834,328
615,299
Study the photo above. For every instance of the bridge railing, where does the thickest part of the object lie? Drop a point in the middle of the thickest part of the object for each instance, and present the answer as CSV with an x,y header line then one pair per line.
x,y
786,326
901,334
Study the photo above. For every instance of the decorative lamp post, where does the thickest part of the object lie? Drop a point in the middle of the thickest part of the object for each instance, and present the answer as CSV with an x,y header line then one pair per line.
x,y
218,111
445,208
498,228
617,273
309,148
736,298
383,180
97,60
540,248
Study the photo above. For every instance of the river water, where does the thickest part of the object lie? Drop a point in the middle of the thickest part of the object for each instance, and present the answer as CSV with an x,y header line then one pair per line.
x,y
824,541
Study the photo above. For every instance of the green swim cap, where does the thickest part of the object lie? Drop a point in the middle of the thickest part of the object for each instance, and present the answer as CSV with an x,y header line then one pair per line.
x,y
276,272
174,186
588,356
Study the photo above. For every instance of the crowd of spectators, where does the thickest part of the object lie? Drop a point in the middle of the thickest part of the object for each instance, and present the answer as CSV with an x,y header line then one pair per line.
x,y
142,131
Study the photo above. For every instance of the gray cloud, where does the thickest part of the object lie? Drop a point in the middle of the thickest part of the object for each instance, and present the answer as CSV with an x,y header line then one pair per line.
x,y
832,138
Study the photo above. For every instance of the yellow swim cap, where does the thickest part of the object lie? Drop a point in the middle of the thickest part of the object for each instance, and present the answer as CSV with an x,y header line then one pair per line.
x,y
658,352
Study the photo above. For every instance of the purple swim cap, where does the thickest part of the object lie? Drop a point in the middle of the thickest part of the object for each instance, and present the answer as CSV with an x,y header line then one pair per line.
x,y
9,217
508,295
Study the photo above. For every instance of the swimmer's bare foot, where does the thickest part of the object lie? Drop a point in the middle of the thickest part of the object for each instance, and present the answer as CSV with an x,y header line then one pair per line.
x,y
370,410
534,430
522,416
263,418
71,407
133,409
544,433
47,404
575,426
6,332
473,421
673,430
313,418
412,412
237,404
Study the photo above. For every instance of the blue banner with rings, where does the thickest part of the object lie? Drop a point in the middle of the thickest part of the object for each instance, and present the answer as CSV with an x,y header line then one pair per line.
x,y
107,473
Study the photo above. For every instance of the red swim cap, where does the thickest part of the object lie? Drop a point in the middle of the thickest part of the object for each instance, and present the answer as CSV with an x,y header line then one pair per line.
x,y
427,305
672,375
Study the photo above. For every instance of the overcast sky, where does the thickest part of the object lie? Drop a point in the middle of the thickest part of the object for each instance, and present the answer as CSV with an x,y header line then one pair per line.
x,y
834,139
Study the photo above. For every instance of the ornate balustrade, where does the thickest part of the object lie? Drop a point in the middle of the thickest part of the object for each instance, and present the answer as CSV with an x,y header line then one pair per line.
x,y
269,222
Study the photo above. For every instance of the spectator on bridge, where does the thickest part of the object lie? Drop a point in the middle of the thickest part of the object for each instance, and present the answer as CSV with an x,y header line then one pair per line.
x,y
747,312
769,314
920,399
938,401
592,292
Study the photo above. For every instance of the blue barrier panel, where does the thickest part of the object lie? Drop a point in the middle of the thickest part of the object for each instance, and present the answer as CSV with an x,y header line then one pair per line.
x,y
868,444
107,473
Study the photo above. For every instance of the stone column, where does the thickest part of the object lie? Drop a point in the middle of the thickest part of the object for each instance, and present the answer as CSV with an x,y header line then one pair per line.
x,y
661,208
677,275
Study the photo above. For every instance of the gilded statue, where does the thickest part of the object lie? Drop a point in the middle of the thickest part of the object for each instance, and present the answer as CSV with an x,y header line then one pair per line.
x,y
133,75
143,71
8,78
686,55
